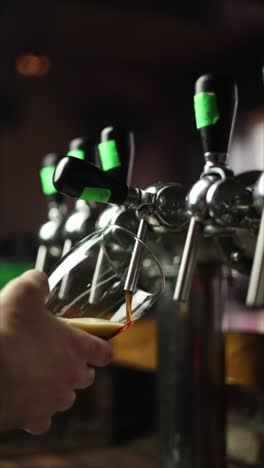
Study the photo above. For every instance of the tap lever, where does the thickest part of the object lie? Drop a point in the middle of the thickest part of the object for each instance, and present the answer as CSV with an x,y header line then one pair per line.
x,y
82,148
215,103
49,163
80,179
117,152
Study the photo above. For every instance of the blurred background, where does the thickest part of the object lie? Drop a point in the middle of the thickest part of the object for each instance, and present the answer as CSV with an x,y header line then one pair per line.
x,y
69,68
134,63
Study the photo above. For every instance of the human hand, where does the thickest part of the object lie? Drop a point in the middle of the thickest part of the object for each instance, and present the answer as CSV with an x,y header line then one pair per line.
x,y
42,359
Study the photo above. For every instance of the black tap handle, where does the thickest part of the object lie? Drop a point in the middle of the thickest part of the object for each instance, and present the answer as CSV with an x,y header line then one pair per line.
x,y
116,150
82,148
49,163
80,179
215,104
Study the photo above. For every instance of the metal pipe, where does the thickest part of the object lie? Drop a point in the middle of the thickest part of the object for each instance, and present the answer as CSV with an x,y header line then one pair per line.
x,y
136,258
255,295
188,261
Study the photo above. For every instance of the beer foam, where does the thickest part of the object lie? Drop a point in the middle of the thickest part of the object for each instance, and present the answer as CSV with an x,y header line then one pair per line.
x,y
95,326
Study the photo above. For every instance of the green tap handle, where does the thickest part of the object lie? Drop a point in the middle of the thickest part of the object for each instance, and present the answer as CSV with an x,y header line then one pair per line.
x,y
82,148
215,105
116,151
46,176
80,179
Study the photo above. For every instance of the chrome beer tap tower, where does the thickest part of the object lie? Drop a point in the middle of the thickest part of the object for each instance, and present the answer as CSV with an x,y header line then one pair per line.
x,y
192,382
81,220
222,215
255,295
50,239
198,436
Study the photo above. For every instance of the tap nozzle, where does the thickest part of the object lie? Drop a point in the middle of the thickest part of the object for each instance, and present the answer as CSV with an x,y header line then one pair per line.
x,y
136,258
255,295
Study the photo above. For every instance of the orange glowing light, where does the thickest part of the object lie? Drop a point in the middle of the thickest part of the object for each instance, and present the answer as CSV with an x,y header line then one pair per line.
x,y
33,65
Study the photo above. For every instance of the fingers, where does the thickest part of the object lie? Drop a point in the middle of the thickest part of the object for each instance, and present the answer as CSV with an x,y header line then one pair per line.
x,y
38,426
41,424
66,402
95,351
99,352
24,287
86,378
38,279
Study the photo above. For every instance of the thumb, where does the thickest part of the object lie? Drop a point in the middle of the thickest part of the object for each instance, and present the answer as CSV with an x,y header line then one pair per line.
x,y
39,279
25,284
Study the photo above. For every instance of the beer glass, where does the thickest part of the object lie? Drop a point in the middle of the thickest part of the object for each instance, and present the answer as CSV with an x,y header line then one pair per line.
x,y
87,285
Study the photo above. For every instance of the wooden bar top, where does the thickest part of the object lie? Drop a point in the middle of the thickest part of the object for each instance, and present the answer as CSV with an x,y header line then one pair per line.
x,y
104,458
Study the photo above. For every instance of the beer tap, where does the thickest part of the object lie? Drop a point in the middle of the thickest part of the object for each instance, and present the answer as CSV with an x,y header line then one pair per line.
x,y
255,295
117,153
50,233
81,220
191,376
215,104
161,204
221,206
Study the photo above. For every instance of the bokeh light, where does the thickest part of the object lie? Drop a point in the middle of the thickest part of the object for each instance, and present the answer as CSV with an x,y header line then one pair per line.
x,y
33,65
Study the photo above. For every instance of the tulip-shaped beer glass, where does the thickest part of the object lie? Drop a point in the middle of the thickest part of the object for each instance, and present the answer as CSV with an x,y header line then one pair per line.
x,y
87,285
